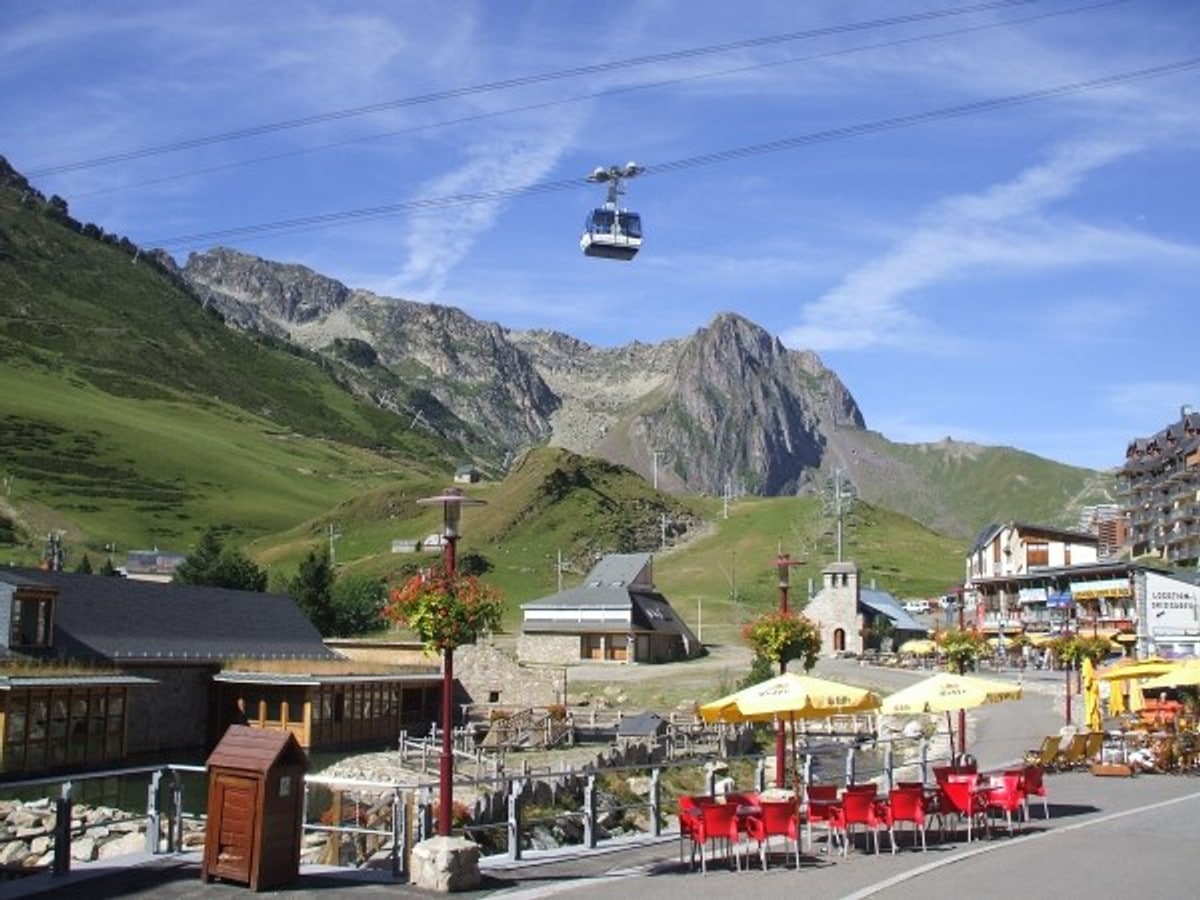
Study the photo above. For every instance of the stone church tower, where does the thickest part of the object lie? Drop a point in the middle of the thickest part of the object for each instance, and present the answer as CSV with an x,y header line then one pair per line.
x,y
835,610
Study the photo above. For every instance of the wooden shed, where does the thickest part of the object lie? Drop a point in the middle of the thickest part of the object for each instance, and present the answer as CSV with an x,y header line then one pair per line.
x,y
255,808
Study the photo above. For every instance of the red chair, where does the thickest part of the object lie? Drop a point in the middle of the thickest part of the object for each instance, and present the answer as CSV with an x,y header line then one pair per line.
x,y
689,819
1006,795
906,804
960,797
820,808
1035,786
775,819
859,808
713,823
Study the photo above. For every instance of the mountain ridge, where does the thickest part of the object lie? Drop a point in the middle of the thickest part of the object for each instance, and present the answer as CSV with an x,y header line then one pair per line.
x,y
725,409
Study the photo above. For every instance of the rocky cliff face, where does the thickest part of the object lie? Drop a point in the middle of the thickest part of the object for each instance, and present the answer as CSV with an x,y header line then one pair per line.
x,y
727,405
467,365
738,409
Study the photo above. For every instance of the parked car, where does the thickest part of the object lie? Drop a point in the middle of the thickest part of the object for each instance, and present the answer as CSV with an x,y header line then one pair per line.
x,y
916,606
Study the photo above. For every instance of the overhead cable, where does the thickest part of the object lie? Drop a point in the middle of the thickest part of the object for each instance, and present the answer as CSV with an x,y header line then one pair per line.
x,y
507,84
595,95
706,159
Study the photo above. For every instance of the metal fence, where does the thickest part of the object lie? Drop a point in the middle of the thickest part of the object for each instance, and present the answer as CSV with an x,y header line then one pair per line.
x,y
362,821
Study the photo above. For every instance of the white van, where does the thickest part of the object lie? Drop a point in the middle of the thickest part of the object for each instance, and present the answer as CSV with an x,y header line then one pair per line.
x,y
916,606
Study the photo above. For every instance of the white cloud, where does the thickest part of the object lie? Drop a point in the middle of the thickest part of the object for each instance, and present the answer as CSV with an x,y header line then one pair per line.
x,y
1007,225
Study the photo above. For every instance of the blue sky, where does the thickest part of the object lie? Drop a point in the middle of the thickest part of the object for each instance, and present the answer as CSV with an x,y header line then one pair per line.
x,y
1021,277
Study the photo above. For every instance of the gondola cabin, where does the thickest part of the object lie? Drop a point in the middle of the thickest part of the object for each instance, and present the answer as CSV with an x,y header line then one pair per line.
x,y
612,234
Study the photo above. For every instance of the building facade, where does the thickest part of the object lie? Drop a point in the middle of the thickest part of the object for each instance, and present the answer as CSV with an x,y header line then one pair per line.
x,y
846,613
1159,485
615,615
1018,548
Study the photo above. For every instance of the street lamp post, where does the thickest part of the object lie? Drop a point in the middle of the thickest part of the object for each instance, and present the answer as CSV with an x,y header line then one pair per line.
x,y
452,501
1067,665
783,564
962,713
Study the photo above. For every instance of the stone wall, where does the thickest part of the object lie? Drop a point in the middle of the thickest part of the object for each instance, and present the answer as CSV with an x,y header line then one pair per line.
x,y
491,677
170,715
552,649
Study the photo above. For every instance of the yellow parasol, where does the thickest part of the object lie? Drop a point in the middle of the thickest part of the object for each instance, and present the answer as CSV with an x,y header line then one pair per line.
x,y
1091,695
1186,672
1151,667
945,692
1137,701
1116,700
790,696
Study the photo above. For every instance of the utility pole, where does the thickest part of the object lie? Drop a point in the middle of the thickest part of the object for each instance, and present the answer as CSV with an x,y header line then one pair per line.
x,y
662,524
334,534
656,454
840,494
558,569
728,490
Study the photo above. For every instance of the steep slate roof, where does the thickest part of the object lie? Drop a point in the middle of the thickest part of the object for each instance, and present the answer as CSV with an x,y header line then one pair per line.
x,y
118,619
612,584
606,585
884,604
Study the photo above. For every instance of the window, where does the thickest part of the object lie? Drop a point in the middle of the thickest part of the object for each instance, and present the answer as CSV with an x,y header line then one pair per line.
x,y
1037,553
31,622
493,696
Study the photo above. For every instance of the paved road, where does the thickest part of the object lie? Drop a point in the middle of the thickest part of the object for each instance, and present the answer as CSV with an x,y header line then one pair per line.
x,y
1107,837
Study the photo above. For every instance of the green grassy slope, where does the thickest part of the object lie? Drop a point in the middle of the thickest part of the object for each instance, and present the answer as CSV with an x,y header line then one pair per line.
x,y
960,488
130,415
721,571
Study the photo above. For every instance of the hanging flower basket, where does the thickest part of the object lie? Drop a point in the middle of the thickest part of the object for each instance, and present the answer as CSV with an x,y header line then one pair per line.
x,y
445,611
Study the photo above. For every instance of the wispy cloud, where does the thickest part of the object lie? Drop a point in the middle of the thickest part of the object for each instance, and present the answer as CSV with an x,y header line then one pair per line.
x,y
436,243
1007,225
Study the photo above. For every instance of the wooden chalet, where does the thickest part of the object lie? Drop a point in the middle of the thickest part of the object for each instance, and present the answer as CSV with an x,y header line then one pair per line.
x,y
104,670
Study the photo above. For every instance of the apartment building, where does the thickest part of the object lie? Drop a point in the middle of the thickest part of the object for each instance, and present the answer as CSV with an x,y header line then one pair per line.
x,y
1159,485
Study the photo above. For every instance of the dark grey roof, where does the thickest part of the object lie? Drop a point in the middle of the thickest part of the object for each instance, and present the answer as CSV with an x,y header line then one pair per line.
x,y
118,619
884,604
607,585
641,725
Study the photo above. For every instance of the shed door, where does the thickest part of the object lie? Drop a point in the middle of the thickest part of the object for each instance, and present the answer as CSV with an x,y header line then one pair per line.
x,y
236,803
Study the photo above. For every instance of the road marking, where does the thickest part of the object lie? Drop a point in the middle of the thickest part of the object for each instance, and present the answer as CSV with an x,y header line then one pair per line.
x,y
893,881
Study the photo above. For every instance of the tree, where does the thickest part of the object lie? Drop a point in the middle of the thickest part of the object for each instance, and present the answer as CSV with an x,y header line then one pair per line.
x,y
761,669
358,602
880,632
961,648
85,566
312,589
214,565
783,636
107,568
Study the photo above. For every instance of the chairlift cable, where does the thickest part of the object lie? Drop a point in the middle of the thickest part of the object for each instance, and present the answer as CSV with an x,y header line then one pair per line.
x,y
509,83
580,98
716,157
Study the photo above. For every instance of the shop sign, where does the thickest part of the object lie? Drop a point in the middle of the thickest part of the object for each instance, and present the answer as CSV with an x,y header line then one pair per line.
x,y
1108,587
1171,607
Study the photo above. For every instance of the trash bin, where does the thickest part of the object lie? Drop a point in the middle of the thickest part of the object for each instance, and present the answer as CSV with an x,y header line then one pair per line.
x,y
255,808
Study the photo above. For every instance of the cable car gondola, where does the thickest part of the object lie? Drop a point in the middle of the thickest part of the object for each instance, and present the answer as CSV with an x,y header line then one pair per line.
x,y
611,232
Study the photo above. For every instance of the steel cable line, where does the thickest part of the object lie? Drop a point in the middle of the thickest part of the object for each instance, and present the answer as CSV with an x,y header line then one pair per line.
x,y
596,95
506,84
706,159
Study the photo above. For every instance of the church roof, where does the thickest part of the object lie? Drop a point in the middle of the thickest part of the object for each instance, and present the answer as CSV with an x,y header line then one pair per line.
x,y
884,604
